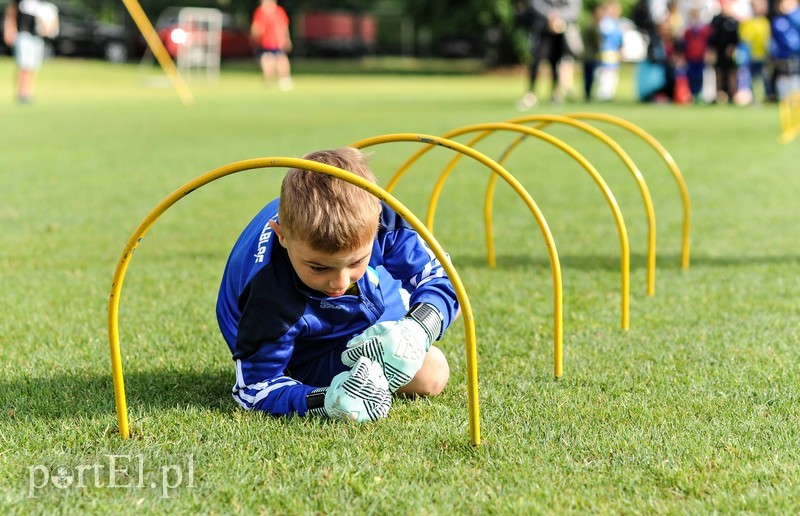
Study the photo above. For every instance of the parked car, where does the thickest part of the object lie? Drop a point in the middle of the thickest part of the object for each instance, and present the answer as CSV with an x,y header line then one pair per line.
x,y
81,34
235,40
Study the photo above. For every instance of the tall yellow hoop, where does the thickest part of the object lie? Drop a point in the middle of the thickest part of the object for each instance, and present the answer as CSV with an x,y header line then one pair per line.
x,y
239,166
555,265
488,128
668,159
159,50
789,117
632,168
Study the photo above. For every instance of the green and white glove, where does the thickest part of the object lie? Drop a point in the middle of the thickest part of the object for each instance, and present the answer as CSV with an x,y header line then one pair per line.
x,y
360,395
398,346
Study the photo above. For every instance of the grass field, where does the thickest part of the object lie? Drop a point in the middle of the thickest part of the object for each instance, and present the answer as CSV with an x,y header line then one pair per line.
x,y
693,410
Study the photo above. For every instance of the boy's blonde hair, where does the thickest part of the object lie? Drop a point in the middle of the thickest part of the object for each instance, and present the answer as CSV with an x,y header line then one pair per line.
x,y
326,213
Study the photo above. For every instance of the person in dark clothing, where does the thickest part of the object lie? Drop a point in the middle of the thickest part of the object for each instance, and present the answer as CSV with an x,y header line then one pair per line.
x,y
548,21
722,43
25,25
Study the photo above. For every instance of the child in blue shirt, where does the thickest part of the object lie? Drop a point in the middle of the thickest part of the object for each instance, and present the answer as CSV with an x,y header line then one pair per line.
x,y
330,301
610,47
785,48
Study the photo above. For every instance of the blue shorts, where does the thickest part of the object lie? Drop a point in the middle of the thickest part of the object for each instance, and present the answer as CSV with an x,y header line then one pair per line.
x,y
28,51
271,51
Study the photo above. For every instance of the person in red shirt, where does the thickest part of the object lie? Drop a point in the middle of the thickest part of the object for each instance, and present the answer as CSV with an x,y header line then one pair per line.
x,y
695,48
270,31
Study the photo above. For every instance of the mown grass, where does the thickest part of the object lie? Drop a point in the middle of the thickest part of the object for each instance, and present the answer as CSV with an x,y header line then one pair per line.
x,y
694,410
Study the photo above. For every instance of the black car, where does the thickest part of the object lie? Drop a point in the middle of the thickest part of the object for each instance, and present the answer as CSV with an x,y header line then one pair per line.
x,y
81,34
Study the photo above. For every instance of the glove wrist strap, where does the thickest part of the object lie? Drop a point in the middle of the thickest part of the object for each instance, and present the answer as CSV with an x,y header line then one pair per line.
x,y
315,401
428,317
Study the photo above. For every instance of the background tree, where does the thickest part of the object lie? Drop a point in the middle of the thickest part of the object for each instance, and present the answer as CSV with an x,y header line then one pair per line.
x,y
454,28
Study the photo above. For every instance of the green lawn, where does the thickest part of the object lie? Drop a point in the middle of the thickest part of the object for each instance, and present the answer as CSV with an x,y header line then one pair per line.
x,y
693,410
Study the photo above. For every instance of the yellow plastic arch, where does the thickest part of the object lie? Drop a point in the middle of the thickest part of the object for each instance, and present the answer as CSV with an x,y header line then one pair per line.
x,y
486,128
668,159
159,51
239,166
546,120
555,265
789,117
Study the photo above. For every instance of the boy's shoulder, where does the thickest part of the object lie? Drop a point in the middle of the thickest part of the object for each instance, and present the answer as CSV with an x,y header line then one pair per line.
x,y
391,220
252,248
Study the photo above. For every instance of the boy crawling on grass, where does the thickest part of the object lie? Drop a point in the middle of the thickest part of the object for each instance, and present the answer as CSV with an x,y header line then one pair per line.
x,y
330,301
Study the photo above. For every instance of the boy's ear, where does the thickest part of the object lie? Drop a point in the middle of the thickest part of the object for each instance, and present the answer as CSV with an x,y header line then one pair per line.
x,y
277,229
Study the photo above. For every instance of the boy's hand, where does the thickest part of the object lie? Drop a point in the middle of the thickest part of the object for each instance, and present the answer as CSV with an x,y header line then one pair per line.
x,y
360,395
398,346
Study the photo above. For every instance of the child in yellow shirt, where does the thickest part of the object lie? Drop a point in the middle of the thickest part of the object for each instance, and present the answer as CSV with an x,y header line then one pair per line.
x,y
754,33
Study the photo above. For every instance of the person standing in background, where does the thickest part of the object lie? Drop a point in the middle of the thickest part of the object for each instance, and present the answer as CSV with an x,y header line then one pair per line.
x,y
755,34
25,25
676,20
548,23
723,42
270,31
695,48
785,48
610,51
591,49
648,16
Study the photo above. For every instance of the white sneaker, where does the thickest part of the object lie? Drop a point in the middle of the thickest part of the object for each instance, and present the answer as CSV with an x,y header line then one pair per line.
x,y
286,84
528,101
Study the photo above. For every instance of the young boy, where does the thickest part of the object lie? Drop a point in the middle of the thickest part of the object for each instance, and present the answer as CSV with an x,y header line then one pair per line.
x,y
610,50
330,301
695,50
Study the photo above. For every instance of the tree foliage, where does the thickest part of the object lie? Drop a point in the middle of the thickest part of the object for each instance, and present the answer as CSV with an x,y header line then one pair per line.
x,y
487,24
485,27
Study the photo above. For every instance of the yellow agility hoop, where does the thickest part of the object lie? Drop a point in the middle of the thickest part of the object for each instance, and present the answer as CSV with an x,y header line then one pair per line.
x,y
667,158
789,117
239,166
487,128
159,50
555,266
650,212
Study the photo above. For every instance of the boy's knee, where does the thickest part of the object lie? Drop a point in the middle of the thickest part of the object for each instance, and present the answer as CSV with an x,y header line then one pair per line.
x,y
431,379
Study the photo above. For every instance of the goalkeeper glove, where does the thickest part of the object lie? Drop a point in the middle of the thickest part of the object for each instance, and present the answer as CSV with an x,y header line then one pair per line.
x,y
398,346
360,395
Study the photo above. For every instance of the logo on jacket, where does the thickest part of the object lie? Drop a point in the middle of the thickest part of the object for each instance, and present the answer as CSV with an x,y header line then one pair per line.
x,y
329,306
263,238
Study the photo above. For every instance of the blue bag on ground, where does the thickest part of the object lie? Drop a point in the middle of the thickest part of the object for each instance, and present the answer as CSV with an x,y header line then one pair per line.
x,y
651,77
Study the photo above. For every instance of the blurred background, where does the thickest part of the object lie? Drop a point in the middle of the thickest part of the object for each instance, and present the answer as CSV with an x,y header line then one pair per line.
x,y
484,30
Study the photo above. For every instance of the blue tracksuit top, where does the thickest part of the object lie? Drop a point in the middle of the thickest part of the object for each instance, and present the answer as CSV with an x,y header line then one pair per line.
x,y
785,41
272,321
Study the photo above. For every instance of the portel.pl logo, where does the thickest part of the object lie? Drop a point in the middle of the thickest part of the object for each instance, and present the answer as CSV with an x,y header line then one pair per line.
x,y
113,472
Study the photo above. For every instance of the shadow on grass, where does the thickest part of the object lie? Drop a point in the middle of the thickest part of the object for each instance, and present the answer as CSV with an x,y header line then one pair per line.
x,y
590,262
77,394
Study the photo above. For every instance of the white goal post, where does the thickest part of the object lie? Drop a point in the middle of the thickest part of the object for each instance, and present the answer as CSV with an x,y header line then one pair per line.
x,y
199,37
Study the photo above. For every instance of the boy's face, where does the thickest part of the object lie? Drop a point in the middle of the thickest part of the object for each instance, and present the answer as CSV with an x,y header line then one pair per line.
x,y
331,274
